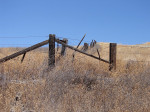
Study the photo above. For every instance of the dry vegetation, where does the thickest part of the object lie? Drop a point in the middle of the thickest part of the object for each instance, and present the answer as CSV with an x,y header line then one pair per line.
x,y
84,85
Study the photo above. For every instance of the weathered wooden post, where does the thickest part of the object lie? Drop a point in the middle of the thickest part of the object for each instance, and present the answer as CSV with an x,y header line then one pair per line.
x,y
51,62
64,47
85,47
112,56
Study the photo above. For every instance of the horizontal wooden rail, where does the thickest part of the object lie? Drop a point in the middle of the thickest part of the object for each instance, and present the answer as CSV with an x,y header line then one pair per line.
x,y
60,42
24,51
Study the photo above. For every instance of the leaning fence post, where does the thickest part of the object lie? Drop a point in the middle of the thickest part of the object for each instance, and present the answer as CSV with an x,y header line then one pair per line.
x,y
64,47
51,62
112,56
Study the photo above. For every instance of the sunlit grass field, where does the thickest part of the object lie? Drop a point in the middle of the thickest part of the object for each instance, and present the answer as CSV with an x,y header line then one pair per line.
x,y
80,85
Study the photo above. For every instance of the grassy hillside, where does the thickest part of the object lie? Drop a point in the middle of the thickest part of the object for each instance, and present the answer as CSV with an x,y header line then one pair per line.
x,y
82,85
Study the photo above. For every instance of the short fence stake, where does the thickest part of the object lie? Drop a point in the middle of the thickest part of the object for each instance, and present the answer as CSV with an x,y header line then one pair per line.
x,y
98,54
23,57
51,62
112,56
64,47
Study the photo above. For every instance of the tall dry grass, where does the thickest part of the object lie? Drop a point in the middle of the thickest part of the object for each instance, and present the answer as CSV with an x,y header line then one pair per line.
x,y
82,85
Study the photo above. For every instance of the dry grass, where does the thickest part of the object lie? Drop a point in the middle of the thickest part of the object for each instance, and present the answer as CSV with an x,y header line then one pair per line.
x,y
84,85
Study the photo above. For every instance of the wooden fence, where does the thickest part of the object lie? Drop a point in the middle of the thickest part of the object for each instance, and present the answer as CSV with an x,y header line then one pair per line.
x,y
51,60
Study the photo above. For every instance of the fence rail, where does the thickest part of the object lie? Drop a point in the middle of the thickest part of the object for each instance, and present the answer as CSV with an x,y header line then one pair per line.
x,y
24,51
51,61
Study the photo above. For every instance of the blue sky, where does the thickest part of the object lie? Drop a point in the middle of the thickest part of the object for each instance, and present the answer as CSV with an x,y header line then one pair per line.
x,y
119,21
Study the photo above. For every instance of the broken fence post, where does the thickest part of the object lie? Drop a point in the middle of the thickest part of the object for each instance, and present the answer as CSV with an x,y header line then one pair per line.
x,y
85,47
95,42
91,44
64,47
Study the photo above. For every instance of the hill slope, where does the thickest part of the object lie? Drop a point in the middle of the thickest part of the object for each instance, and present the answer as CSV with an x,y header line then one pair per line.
x,y
84,84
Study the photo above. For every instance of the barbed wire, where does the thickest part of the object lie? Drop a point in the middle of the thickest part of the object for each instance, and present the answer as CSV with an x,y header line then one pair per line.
x,y
133,46
82,57
35,36
103,48
41,36
73,39
5,44
134,53
16,44
134,61
23,36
